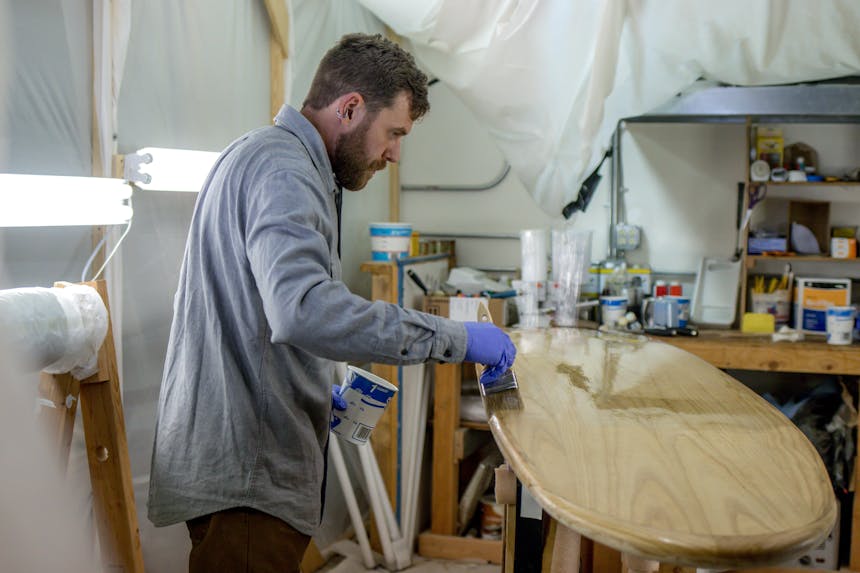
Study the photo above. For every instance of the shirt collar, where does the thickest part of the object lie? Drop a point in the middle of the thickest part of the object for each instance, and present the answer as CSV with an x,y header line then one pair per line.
x,y
293,121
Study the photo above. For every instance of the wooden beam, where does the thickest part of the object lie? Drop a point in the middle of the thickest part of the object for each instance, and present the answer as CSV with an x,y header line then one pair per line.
x,y
276,77
279,19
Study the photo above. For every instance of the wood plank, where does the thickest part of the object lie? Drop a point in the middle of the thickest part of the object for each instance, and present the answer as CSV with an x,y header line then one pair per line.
x,y
279,20
734,350
453,547
598,418
276,77
446,415
107,454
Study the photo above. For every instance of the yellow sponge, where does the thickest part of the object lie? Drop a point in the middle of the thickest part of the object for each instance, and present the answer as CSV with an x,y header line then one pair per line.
x,y
758,322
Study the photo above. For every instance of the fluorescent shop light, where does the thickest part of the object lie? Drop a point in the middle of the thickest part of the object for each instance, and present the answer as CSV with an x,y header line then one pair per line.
x,y
159,169
48,201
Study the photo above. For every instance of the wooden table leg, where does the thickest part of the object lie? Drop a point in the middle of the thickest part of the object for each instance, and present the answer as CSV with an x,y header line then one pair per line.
x,y
446,418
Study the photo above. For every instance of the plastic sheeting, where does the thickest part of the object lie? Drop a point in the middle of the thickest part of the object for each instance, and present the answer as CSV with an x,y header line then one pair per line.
x,y
59,329
550,79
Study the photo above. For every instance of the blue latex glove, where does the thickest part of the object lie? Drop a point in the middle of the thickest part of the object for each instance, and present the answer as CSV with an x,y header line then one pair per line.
x,y
488,344
337,401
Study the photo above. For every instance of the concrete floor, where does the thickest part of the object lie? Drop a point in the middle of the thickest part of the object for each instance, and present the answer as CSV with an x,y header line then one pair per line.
x,y
346,558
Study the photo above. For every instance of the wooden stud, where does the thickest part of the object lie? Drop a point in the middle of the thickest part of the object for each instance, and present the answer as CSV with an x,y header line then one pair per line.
x,y
279,20
276,77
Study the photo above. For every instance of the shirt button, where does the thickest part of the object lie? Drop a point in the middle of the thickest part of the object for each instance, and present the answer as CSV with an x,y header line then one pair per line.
x,y
447,353
404,352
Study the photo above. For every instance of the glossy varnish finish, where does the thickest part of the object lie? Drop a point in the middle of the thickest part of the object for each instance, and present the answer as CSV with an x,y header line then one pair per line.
x,y
648,449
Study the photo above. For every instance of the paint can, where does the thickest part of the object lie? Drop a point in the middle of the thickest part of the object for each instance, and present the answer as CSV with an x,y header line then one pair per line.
x,y
492,518
366,396
667,312
840,324
389,241
683,310
612,308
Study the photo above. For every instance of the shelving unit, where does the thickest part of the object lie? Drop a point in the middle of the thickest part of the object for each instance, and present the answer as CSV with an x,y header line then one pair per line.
x,y
815,191
442,540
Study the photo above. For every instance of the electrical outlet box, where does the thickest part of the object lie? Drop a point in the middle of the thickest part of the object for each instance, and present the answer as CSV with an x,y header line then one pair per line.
x,y
627,237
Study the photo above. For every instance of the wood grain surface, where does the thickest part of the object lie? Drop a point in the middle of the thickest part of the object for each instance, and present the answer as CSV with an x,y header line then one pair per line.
x,y
650,450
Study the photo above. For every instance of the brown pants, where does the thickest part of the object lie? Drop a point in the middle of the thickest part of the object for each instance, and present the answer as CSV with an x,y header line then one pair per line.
x,y
244,540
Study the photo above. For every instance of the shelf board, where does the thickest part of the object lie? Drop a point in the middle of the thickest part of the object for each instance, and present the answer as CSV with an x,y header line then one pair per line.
x,y
752,259
810,183
458,548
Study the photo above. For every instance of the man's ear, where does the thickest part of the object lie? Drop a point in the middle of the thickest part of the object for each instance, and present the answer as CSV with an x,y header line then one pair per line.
x,y
352,107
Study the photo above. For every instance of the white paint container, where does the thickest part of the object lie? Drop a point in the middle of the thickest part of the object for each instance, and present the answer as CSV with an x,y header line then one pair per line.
x,y
389,241
840,324
366,396
612,308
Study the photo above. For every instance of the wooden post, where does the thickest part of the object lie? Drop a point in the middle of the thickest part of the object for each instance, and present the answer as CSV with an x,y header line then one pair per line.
x,y
446,419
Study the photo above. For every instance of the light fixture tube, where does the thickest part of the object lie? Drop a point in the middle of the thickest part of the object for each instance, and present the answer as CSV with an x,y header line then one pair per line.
x,y
50,200
160,169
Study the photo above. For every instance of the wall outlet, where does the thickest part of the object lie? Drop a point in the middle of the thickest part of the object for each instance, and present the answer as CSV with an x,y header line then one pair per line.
x,y
627,237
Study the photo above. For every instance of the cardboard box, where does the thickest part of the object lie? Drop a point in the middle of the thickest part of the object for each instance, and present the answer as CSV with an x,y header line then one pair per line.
x,y
812,298
464,307
841,248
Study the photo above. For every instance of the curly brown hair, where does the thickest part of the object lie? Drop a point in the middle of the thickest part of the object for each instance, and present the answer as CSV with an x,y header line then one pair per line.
x,y
373,66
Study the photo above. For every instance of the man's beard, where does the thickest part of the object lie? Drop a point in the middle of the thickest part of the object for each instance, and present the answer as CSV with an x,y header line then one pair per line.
x,y
350,164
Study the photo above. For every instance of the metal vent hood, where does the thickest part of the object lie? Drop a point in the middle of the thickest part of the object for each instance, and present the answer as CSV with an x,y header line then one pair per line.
x,y
833,101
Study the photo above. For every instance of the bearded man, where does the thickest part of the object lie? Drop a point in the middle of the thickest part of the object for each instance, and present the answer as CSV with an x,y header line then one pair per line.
x,y
261,313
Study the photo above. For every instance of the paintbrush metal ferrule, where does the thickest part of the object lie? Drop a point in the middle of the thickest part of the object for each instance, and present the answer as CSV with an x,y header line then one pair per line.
x,y
507,381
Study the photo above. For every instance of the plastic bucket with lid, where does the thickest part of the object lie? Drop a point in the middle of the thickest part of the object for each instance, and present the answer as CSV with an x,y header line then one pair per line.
x,y
389,241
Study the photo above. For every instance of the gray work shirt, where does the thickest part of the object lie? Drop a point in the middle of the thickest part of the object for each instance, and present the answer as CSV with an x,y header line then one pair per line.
x,y
259,315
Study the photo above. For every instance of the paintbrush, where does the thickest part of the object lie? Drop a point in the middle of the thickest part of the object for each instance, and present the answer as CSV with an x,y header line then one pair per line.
x,y
507,381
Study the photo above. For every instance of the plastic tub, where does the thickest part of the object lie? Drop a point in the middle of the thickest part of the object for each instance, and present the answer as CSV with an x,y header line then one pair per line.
x,y
389,241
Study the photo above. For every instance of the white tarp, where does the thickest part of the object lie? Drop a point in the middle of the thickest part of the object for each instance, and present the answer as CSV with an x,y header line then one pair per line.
x,y
550,79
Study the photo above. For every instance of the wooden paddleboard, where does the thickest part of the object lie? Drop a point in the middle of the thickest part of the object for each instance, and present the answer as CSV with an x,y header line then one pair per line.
x,y
650,450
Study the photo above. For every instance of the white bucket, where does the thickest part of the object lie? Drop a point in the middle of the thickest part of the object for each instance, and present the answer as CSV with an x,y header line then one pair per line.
x,y
366,397
840,324
612,308
389,241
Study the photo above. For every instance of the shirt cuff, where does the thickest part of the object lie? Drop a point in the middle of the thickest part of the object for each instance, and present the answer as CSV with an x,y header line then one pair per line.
x,y
449,344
